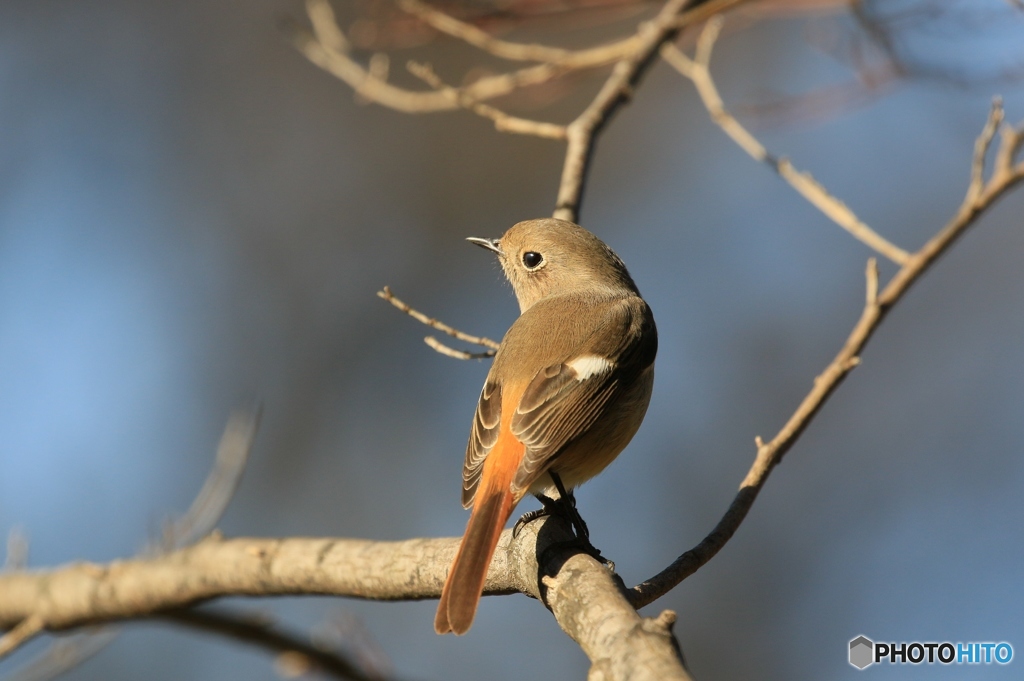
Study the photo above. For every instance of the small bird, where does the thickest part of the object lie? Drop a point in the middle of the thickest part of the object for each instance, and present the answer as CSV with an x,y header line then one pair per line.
x,y
568,389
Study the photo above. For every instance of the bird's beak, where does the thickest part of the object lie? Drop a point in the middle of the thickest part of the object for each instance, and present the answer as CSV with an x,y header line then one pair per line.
x,y
489,244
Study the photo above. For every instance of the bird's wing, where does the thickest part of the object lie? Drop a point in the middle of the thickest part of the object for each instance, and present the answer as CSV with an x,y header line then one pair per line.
x,y
563,400
482,438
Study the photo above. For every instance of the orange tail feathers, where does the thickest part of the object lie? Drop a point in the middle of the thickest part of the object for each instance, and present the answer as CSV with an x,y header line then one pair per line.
x,y
465,583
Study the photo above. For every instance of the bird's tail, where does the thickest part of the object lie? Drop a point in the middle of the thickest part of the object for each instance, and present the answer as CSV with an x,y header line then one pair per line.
x,y
465,583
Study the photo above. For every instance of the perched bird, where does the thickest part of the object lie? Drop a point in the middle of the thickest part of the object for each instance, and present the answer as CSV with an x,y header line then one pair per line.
x,y
568,389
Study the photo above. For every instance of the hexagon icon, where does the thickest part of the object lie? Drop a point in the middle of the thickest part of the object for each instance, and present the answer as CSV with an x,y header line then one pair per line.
x,y
862,652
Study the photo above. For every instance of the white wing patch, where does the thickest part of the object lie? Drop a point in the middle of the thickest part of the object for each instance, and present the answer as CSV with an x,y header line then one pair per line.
x,y
590,365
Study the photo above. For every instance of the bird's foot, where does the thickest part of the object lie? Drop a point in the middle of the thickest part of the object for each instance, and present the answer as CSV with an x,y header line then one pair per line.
x,y
565,508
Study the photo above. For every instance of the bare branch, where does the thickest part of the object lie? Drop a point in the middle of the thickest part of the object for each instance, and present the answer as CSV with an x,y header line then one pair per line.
x,y
586,599
838,211
1012,139
378,69
698,71
503,122
387,295
981,147
876,307
325,26
220,485
480,39
632,55
456,354
63,654
24,631
17,550
260,632
871,275
341,65
327,55
200,519
617,89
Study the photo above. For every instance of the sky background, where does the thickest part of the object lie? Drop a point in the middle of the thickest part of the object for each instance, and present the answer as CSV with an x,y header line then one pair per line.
x,y
192,217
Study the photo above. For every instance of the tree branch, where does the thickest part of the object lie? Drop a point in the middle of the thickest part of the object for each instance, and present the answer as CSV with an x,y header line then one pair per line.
x,y
698,71
588,602
323,49
877,306
437,345
503,122
219,487
259,632
485,42
199,521
618,88
632,56
25,630
63,654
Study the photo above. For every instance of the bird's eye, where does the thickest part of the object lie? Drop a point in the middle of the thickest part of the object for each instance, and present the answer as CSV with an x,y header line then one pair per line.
x,y
532,260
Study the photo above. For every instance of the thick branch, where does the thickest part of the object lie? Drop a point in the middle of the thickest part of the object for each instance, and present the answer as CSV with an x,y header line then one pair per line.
x,y
588,603
200,519
87,593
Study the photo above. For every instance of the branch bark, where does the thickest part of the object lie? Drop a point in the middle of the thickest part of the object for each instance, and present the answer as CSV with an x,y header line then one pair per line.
x,y
588,601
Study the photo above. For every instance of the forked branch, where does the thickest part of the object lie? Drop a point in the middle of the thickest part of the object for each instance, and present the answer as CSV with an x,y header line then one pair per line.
x,y
697,69
437,345
980,197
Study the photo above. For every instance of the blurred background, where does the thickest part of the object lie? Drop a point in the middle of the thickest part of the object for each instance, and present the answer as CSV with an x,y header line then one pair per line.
x,y
193,216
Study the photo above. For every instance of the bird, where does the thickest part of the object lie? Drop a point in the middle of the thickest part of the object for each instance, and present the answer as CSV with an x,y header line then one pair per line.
x,y
569,387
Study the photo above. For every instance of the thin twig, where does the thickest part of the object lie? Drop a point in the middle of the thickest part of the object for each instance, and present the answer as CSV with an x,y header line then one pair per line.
x,y
871,276
617,89
220,485
698,71
632,56
200,519
877,306
456,354
443,328
1009,147
17,550
472,35
67,652
342,66
981,147
325,26
23,632
258,631
503,122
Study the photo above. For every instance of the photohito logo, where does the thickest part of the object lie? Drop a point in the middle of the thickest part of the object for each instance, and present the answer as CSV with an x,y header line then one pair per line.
x,y
865,652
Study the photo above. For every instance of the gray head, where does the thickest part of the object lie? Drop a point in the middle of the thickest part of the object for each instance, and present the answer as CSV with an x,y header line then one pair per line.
x,y
552,257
